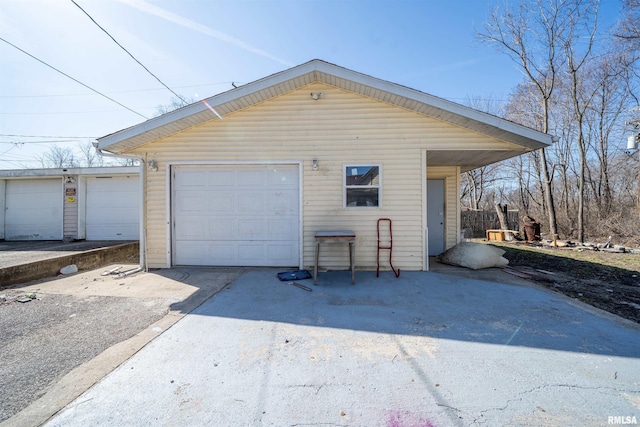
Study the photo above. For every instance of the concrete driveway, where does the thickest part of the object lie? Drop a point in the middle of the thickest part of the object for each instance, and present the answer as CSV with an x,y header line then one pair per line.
x,y
426,349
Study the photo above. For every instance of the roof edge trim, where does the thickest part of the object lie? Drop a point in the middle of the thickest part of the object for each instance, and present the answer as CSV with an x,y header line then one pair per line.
x,y
314,68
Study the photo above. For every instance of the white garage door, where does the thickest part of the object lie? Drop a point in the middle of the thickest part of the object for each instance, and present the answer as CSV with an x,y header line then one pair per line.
x,y
236,215
112,209
33,209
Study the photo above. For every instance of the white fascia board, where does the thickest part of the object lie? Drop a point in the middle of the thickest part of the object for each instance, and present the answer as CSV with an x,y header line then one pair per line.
x,y
59,172
316,65
151,124
116,170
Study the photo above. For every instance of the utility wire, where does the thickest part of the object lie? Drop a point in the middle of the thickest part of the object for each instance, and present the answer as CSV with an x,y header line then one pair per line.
x,y
41,142
115,91
47,136
74,79
5,152
50,113
130,54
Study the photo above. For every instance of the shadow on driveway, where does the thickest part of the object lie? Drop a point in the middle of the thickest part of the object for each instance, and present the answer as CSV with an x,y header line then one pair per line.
x,y
426,349
431,305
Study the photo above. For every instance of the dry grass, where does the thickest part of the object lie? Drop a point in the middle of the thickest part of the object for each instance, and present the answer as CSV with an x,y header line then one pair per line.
x,y
609,281
583,263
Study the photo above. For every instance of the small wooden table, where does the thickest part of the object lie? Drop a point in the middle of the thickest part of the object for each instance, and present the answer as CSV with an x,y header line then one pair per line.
x,y
336,236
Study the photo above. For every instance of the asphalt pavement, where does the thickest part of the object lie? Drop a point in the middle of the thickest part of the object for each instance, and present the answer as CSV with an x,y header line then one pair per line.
x,y
425,349
75,329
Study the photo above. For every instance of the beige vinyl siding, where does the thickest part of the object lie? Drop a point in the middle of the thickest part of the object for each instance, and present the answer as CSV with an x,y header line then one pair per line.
x,y
339,129
452,209
156,216
400,201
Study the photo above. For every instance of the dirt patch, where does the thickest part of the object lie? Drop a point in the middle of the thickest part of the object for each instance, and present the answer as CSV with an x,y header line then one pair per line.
x,y
608,281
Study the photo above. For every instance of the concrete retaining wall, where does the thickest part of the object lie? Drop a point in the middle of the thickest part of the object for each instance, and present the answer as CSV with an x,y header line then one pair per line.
x,y
125,253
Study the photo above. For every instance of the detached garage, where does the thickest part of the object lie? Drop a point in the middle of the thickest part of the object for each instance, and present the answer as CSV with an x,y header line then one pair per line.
x,y
70,204
249,176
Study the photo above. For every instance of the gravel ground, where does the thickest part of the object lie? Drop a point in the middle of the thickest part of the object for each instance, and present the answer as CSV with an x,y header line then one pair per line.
x,y
31,356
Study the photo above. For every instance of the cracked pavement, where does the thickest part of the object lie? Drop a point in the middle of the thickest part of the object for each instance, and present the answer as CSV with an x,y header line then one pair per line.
x,y
423,350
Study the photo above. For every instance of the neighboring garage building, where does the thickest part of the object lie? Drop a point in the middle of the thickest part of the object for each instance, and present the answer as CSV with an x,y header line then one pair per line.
x,y
248,176
70,204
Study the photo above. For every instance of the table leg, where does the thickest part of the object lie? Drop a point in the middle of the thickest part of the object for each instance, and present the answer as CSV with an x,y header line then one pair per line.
x,y
352,262
315,268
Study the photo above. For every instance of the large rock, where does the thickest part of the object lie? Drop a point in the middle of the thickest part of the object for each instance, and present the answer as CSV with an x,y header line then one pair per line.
x,y
474,256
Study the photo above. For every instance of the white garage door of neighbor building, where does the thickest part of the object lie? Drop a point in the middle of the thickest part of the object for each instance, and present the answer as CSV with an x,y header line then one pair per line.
x,y
33,209
113,208
236,215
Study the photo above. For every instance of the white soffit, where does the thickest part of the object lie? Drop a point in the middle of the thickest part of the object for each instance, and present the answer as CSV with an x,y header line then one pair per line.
x,y
323,72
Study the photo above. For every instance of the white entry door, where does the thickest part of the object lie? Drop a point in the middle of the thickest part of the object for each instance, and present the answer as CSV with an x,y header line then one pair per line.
x,y
113,208
33,209
236,215
435,216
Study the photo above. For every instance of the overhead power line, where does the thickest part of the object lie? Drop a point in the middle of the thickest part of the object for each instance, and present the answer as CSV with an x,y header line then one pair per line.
x,y
5,152
55,141
72,78
130,54
56,113
46,136
115,91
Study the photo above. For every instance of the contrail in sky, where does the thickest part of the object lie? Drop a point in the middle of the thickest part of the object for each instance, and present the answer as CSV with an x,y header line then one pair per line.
x,y
203,29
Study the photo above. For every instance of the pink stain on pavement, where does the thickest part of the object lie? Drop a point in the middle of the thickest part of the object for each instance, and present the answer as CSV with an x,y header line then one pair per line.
x,y
397,419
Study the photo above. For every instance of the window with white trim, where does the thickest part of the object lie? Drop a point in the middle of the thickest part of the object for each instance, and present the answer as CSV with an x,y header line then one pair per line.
x,y
362,186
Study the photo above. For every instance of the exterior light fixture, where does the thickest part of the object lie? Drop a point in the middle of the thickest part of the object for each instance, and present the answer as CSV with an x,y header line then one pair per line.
x,y
316,95
314,164
153,166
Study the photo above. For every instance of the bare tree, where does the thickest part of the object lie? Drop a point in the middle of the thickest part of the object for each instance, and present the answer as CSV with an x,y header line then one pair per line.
x,y
578,47
629,27
84,155
475,181
488,104
533,37
584,87
611,75
58,157
123,161
520,166
174,104
525,107
628,35
90,157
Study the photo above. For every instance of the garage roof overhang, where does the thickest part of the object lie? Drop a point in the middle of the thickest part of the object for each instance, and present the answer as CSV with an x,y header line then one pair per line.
x,y
469,159
58,172
524,138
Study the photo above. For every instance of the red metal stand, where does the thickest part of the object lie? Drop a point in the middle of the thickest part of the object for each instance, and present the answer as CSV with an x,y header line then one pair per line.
x,y
388,247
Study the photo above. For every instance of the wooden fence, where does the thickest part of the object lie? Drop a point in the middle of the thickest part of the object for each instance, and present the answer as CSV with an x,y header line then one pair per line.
x,y
475,223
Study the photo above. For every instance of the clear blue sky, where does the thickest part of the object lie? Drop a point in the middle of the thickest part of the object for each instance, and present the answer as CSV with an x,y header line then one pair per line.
x,y
199,47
